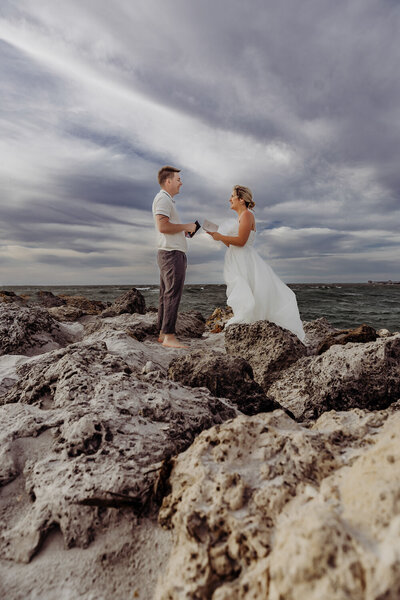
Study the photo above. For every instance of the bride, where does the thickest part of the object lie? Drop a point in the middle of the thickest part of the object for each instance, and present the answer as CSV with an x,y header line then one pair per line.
x,y
254,291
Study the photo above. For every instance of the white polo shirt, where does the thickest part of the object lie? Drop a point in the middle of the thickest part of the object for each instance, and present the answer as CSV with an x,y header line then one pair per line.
x,y
163,204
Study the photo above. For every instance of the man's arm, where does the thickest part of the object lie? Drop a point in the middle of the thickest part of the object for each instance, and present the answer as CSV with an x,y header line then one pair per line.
x,y
165,226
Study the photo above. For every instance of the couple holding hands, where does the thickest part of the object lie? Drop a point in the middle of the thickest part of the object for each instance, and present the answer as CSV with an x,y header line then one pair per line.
x,y
254,291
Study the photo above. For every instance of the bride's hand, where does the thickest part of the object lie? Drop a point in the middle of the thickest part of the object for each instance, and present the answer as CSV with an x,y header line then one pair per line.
x,y
215,235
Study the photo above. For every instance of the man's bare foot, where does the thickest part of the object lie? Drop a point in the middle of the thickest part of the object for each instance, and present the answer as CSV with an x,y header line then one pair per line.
x,y
161,338
170,341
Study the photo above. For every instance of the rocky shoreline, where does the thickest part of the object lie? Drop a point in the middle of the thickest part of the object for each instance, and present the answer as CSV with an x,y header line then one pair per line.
x,y
249,466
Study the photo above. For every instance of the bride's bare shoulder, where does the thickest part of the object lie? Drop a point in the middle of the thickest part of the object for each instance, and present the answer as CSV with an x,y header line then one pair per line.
x,y
250,219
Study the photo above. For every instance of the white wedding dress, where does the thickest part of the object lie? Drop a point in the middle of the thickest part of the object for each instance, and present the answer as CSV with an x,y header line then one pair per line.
x,y
254,291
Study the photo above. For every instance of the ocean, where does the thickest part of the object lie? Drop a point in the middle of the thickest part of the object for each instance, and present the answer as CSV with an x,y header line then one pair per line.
x,y
343,304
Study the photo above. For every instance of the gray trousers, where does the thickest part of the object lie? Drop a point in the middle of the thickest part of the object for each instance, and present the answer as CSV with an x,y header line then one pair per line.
x,y
172,265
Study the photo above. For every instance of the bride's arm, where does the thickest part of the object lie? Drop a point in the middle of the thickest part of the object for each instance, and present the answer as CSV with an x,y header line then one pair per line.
x,y
245,226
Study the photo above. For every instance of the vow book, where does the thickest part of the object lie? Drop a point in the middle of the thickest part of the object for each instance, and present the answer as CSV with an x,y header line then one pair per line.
x,y
209,225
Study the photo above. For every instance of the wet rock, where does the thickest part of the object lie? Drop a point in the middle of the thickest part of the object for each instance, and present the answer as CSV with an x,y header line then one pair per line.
x,y
316,332
261,507
86,443
130,302
267,347
152,309
9,297
190,324
29,330
225,376
66,313
344,377
48,299
84,305
362,334
216,322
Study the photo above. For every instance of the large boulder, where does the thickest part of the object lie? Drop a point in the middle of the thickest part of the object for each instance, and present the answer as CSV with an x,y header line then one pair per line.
x,y
141,326
267,347
89,444
225,376
8,297
261,507
65,313
316,332
190,324
362,334
83,304
136,325
343,377
130,302
48,299
29,330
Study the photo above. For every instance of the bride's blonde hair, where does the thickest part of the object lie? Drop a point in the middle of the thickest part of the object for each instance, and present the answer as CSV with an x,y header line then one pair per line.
x,y
245,194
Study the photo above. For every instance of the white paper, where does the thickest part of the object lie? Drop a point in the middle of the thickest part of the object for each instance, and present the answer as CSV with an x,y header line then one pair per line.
x,y
209,225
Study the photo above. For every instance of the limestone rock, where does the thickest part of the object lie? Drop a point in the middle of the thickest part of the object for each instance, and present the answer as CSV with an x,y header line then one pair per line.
x,y
65,313
225,376
136,325
261,507
152,309
140,326
86,442
362,334
9,297
344,377
384,333
130,302
316,332
216,322
267,347
29,330
48,299
84,305
190,324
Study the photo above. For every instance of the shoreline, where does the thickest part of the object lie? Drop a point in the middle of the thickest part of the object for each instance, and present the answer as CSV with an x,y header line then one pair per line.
x,y
344,305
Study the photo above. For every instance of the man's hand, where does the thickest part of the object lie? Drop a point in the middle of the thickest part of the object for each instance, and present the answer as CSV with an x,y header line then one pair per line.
x,y
165,226
190,227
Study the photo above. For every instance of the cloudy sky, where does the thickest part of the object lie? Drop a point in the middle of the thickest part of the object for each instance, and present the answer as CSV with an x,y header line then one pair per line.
x,y
300,101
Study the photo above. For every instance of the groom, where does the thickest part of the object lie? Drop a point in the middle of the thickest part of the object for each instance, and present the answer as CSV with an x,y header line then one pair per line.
x,y
171,257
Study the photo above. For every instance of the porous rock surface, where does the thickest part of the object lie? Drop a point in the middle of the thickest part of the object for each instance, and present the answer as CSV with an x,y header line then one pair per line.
x,y
225,376
262,507
130,302
343,377
362,334
8,297
66,313
267,347
83,304
84,436
316,332
217,320
190,324
48,299
135,325
29,330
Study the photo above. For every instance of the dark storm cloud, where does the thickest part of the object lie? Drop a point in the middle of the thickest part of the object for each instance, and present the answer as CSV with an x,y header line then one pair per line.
x,y
100,189
81,261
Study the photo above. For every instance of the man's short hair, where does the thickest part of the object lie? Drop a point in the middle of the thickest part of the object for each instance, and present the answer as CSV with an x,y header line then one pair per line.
x,y
166,173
